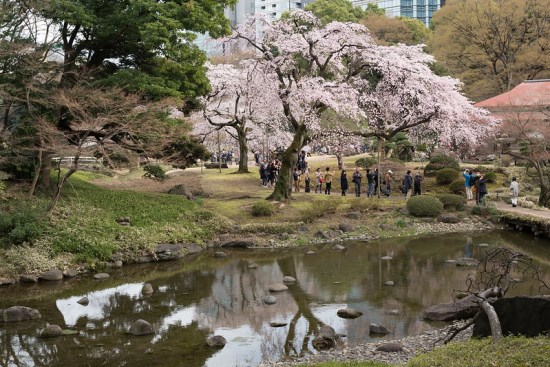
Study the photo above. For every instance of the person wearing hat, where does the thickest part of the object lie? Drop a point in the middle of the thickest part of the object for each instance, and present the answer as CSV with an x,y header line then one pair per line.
x,y
387,180
514,192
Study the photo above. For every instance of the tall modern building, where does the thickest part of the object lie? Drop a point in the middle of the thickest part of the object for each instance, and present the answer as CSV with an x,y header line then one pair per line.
x,y
275,8
420,9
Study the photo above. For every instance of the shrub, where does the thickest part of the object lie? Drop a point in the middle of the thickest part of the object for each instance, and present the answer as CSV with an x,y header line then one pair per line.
x,y
21,170
491,176
445,176
154,171
263,209
24,224
439,162
424,206
363,204
457,187
452,201
366,162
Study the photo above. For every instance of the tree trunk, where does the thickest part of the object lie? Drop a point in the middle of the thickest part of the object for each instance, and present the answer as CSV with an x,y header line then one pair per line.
x,y
494,321
36,174
243,151
45,170
544,197
379,169
340,161
283,187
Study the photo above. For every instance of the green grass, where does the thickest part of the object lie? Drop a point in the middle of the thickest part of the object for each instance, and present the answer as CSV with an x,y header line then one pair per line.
x,y
508,352
350,364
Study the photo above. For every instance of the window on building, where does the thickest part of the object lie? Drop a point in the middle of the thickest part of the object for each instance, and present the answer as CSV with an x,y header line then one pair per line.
x,y
299,5
263,7
274,5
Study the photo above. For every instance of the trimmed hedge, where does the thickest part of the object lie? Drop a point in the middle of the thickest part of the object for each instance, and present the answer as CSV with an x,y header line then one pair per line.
x,y
457,187
366,162
439,162
424,206
452,201
445,176
263,209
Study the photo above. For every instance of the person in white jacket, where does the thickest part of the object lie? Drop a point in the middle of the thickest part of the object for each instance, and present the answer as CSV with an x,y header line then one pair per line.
x,y
514,192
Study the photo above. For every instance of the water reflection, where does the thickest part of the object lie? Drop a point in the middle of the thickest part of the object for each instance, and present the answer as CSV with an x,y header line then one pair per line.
x,y
224,296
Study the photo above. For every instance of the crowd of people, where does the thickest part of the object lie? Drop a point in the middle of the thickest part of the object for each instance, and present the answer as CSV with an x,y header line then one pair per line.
x,y
475,184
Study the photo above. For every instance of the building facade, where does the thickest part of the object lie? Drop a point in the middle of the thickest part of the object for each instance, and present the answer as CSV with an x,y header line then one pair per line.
x,y
275,8
420,9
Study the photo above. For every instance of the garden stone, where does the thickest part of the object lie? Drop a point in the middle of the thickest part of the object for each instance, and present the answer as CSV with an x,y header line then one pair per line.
x,y
269,300
84,301
277,287
349,313
101,276
19,313
141,327
322,234
70,273
147,288
6,281
326,338
216,341
52,275
51,331
169,251
289,280
220,254
28,278
117,264
467,261
310,253
239,243
338,247
463,309
353,215
277,324
345,227
390,348
389,283
378,329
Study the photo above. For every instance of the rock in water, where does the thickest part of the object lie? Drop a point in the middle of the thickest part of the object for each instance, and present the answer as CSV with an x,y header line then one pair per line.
x,y
51,331
277,287
349,313
390,347
338,247
277,324
141,327
147,288
19,313
389,283
28,278
101,276
459,310
289,280
326,338
386,258
54,274
269,300
378,329
467,261
84,301
216,341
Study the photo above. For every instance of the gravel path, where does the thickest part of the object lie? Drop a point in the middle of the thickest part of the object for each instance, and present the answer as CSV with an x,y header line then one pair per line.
x,y
412,346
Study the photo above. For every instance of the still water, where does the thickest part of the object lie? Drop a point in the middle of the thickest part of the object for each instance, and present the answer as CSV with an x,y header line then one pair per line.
x,y
194,299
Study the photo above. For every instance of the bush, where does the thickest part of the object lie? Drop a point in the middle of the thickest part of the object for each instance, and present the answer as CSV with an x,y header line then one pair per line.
x,y
452,201
363,204
366,162
24,224
154,171
457,187
424,206
439,162
20,170
491,176
263,209
445,176
507,352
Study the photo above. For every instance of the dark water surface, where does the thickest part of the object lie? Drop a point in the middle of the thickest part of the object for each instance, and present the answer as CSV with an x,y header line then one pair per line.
x,y
194,299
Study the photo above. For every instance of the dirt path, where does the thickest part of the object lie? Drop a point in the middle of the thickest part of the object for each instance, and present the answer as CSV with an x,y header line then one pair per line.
x,y
544,214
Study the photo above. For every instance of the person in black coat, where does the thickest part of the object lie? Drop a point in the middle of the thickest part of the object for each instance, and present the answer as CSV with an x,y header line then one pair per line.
x,y
344,182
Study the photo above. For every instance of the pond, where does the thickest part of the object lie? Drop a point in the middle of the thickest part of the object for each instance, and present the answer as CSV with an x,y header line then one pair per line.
x,y
193,299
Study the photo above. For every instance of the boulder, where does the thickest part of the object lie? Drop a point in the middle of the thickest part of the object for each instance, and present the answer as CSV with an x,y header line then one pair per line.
x,y
349,313
52,275
378,329
269,300
216,341
326,338
353,215
252,266
310,253
277,324
463,309
277,287
390,283
6,281
346,227
338,247
28,278
527,316
183,191
147,288
141,327
19,313
101,276
169,251
220,254
322,234
117,264
84,301
239,243
70,273
448,218
386,258
467,261
51,331
289,280
389,348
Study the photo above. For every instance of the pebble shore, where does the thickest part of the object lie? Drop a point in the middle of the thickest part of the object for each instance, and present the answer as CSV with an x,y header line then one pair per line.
x,y
412,346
